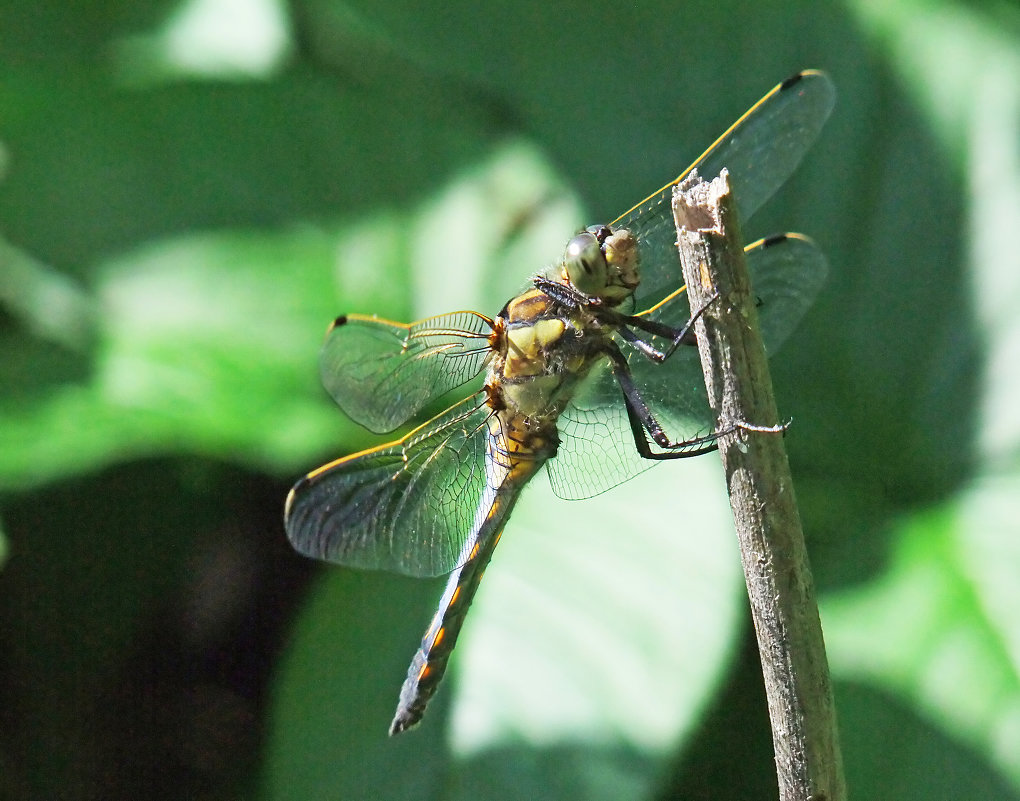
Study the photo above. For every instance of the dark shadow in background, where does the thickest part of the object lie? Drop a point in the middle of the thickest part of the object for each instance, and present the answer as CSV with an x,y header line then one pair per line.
x,y
143,610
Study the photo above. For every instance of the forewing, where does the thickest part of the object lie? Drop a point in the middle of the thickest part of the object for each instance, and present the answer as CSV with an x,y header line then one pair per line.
x,y
761,150
382,373
597,450
406,507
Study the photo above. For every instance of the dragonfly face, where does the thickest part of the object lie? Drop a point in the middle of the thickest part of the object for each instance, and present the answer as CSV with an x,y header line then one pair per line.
x,y
584,374
603,263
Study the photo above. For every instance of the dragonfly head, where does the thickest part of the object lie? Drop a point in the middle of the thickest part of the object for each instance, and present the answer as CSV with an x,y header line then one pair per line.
x,y
602,263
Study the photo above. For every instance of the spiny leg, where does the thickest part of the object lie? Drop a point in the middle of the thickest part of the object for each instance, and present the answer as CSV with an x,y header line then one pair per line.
x,y
678,336
643,423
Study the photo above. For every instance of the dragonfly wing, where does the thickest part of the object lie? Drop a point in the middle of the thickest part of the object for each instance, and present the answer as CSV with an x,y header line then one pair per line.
x,y
597,449
382,373
761,150
406,507
787,273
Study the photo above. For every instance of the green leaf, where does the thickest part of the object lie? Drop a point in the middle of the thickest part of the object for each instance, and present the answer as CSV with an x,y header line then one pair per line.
x,y
938,629
206,232
198,340
604,621
336,691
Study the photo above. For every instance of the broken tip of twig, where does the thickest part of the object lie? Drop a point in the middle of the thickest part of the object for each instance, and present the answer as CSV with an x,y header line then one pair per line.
x,y
696,202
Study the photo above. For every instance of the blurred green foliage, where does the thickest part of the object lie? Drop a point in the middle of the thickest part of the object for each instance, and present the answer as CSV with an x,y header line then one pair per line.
x,y
190,192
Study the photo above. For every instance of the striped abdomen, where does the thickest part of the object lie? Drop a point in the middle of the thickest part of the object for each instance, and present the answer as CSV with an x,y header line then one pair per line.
x,y
506,476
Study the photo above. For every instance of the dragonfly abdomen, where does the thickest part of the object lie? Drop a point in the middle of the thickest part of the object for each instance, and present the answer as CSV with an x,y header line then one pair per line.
x,y
429,663
508,469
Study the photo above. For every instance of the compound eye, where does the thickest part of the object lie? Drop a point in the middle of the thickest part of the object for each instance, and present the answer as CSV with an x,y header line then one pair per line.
x,y
585,264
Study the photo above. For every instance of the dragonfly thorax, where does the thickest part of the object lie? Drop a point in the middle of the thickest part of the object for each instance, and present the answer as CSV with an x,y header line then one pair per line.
x,y
545,348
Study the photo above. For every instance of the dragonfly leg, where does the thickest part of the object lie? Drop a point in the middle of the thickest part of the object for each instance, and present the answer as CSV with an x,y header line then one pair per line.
x,y
565,294
678,336
644,425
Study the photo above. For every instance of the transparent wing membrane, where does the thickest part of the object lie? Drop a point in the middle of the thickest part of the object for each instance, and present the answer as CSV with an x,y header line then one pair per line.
x,y
597,450
383,373
406,507
787,273
401,506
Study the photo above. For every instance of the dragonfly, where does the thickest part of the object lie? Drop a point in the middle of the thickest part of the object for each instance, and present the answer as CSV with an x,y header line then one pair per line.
x,y
585,373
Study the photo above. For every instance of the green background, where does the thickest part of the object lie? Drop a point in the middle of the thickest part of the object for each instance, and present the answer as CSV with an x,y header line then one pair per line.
x,y
189,193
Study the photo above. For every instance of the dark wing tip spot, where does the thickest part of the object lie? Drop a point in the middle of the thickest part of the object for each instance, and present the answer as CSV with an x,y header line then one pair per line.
x,y
775,239
793,80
